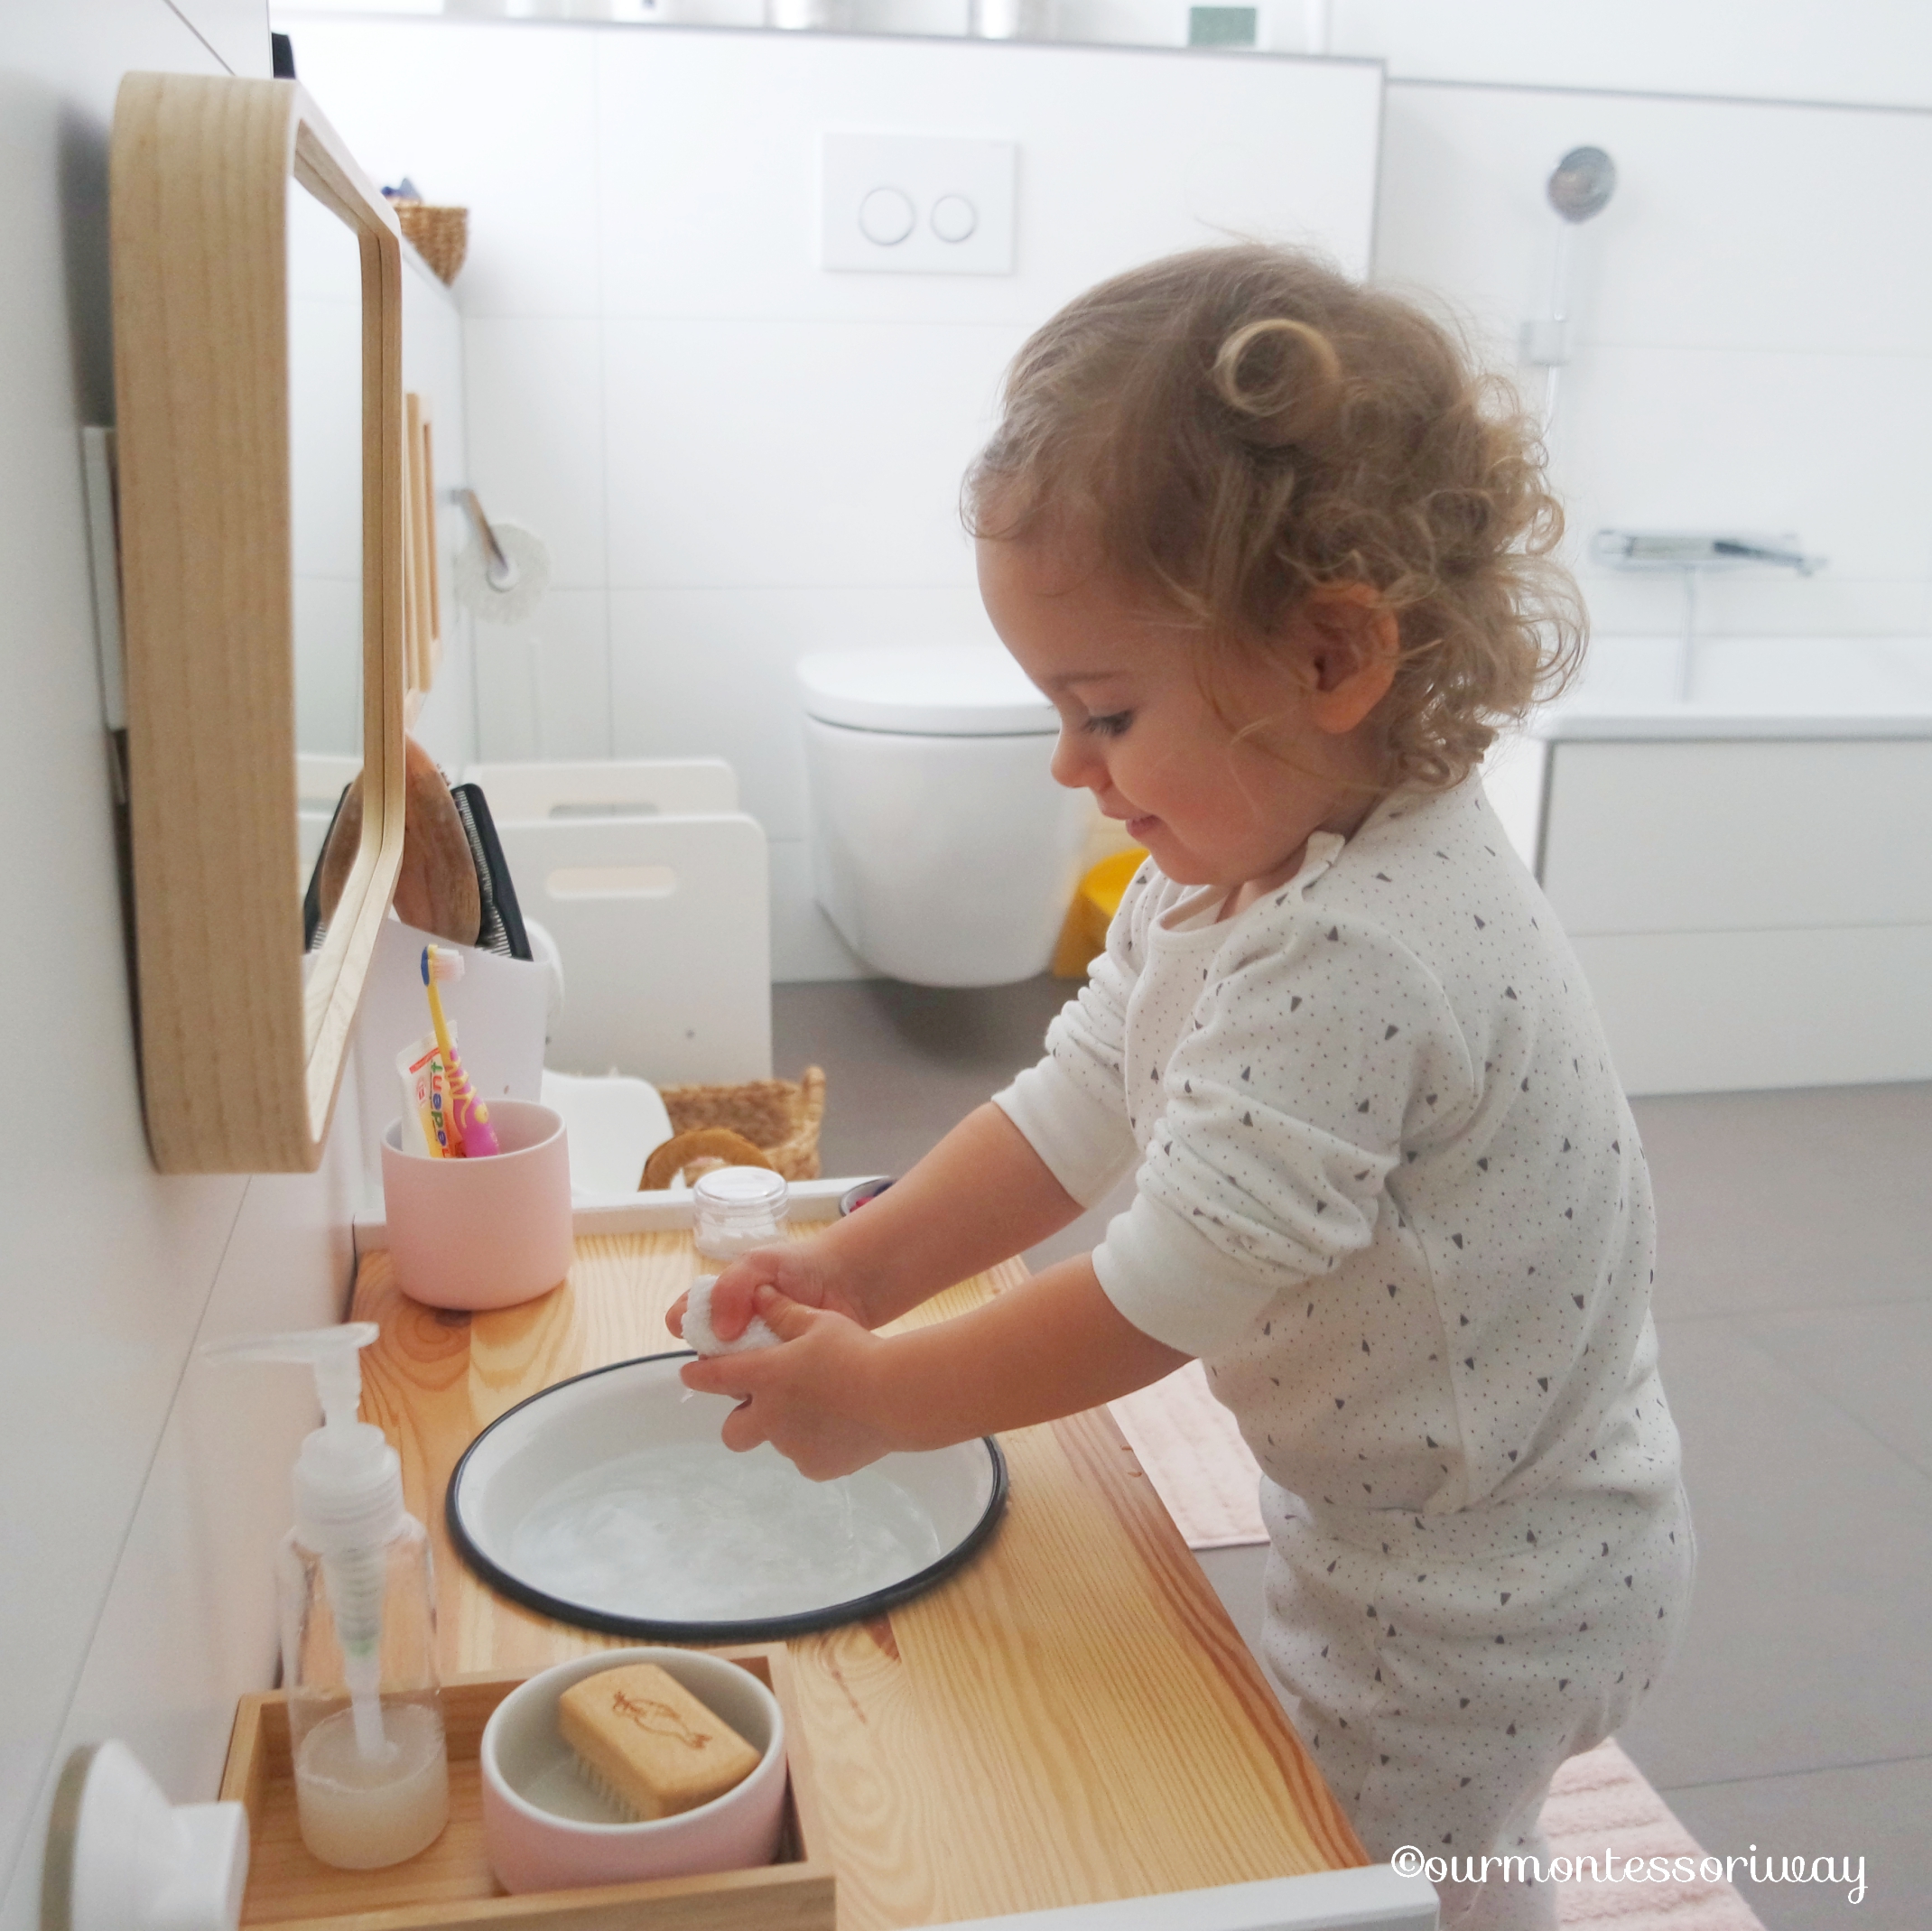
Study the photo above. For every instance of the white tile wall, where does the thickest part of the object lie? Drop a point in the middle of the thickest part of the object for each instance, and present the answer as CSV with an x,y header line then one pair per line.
x,y
709,165
1796,50
1754,322
1830,445
326,365
697,672
543,686
538,434
1851,51
1733,224
496,117
327,618
764,452
432,365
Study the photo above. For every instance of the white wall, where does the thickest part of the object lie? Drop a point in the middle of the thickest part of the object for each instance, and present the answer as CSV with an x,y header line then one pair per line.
x,y
1861,50
432,367
325,364
735,457
141,1493
1754,328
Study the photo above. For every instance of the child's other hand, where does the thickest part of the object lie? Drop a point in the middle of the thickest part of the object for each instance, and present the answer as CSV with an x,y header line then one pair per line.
x,y
795,1270
810,1397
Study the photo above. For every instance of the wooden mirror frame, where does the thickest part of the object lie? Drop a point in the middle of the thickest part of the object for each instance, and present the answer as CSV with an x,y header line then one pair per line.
x,y
242,1048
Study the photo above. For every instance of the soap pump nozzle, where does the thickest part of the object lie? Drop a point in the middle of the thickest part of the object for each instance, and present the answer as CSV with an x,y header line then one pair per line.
x,y
349,1501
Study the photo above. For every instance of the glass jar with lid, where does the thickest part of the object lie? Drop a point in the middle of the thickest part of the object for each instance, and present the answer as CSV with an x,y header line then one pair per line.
x,y
736,1210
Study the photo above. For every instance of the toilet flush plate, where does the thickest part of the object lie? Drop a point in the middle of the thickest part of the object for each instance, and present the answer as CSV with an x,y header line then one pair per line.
x,y
916,204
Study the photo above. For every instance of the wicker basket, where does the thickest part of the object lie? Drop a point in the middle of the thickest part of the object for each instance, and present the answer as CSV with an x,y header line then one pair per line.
x,y
441,236
780,1116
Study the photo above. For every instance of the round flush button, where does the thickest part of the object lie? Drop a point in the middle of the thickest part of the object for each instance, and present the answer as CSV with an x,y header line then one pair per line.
x,y
954,217
887,216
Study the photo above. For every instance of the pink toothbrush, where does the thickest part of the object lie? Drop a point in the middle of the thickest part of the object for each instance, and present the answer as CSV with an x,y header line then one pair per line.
x,y
471,1136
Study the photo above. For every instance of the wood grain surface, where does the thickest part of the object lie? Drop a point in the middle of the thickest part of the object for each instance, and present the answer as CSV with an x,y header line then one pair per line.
x,y
241,1053
450,1885
1070,1718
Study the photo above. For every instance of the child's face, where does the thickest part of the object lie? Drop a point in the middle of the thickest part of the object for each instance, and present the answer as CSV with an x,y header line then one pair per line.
x,y
1215,804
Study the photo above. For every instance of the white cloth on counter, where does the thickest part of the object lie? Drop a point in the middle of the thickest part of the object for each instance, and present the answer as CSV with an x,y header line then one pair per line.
x,y
698,1332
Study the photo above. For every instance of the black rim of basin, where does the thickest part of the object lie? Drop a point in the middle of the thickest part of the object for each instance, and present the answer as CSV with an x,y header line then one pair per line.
x,y
756,1628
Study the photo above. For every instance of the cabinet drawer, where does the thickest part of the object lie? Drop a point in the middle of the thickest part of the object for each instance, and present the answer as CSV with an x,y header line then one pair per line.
x,y
1707,1012
1737,836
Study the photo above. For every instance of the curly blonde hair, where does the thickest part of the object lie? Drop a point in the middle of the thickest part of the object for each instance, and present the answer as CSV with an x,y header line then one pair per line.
x,y
1242,425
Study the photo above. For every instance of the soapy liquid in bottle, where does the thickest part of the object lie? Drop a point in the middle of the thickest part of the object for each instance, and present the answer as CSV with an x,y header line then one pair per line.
x,y
362,1813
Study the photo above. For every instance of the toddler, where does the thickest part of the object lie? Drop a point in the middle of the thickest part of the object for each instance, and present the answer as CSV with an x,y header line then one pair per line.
x,y
1281,561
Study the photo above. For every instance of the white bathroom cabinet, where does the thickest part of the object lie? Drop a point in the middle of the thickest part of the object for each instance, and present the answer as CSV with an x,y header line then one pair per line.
x,y
1753,904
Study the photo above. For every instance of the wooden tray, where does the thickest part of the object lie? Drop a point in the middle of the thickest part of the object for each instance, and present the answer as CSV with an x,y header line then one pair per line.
x,y
449,1884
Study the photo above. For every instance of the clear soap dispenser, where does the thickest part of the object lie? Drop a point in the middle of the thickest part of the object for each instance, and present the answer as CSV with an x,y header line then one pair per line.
x,y
358,1627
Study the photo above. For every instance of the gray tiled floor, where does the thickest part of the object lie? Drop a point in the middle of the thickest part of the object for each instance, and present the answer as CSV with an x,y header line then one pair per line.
x,y
1795,1306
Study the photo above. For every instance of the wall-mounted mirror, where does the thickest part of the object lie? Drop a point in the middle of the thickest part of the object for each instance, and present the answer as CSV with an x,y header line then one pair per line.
x,y
257,309
325,476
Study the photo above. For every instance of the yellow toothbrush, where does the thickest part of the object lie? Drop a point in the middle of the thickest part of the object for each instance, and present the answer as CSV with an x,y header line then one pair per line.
x,y
443,1046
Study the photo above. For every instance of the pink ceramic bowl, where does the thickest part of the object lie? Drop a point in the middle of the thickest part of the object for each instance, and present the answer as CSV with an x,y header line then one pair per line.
x,y
482,1233
537,1813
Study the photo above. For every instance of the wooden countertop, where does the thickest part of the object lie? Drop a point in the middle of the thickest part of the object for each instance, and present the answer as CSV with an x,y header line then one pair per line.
x,y
1070,1718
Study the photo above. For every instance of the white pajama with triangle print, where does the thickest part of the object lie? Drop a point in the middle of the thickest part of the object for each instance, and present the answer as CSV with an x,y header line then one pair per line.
x,y
1391,1194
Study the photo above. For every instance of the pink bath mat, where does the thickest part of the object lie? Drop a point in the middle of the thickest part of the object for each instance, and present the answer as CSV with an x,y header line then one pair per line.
x,y
1189,1448
1599,1803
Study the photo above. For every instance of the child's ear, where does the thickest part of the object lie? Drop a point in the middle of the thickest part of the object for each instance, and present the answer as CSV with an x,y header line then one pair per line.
x,y
1349,643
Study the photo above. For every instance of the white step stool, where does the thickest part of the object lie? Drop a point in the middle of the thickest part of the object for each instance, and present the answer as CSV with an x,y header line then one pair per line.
x,y
656,890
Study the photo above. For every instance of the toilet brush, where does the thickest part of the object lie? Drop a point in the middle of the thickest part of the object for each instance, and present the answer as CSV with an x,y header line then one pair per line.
x,y
502,574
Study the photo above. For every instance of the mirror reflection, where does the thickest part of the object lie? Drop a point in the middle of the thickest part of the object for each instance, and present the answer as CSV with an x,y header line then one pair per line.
x,y
325,460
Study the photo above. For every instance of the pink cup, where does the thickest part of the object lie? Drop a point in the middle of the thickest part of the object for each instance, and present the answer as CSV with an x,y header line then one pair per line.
x,y
482,1233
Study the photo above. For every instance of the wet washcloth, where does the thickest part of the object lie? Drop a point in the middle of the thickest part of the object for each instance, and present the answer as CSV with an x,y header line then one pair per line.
x,y
697,1324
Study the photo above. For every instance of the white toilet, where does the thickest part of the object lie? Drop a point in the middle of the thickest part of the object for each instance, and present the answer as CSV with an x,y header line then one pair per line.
x,y
941,850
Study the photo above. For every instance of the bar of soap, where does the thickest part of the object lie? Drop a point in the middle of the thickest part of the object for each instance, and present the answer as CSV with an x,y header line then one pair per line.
x,y
644,1736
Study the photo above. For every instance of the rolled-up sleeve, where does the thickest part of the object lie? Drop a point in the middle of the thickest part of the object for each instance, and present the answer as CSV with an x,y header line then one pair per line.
x,y
1072,1107
1285,1112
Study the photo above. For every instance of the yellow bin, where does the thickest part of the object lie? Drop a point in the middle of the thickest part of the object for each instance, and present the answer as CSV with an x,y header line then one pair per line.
x,y
1083,937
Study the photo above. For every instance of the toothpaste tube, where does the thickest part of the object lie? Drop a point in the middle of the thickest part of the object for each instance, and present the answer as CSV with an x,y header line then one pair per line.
x,y
425,1097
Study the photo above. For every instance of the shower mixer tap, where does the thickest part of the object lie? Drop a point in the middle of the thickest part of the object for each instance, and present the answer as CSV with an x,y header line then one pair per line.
x,y
1688,550
1691,553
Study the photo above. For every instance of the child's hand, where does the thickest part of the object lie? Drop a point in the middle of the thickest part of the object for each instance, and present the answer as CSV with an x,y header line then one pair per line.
x,y
811,1397
795,1270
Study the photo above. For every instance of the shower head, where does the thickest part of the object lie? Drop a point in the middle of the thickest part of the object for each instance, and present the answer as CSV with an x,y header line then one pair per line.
x,y
1582,184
